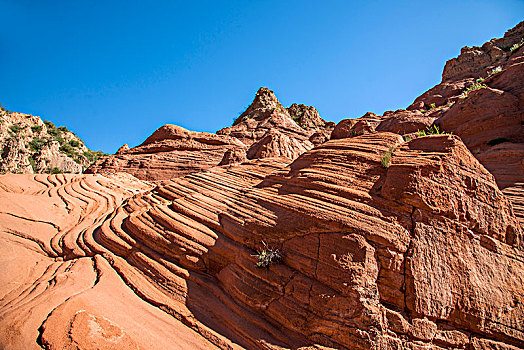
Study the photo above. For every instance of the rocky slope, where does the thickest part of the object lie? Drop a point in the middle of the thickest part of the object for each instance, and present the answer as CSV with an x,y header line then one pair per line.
x,y
380,238
265,129
423,254
480,99
28,145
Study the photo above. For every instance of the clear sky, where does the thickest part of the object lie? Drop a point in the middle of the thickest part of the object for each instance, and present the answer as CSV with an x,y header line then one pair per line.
x,y
114,71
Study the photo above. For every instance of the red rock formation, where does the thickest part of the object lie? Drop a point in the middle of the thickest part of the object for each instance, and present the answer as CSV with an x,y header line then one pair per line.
x,y
426,252
481,104
290,131
171,151
265,129
381,243
478,61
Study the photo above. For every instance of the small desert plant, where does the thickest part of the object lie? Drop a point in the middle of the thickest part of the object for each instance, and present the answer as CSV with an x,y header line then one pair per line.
x,y
494,71
74,143
407,138
517,46
32,161
36,128
16,128
36,144
476,86
432,130
92,156
497,141
267,256
49,124
432,106
385,159
55,171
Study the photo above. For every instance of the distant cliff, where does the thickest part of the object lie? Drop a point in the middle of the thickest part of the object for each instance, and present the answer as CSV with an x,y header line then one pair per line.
x,y
29,145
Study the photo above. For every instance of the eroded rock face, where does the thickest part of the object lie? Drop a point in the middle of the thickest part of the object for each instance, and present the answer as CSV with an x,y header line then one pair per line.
x,y
423,250
478,61
28,145
481,104
290,131
424,253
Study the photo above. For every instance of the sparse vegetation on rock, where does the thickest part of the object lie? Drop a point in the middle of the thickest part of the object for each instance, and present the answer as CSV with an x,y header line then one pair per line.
x,y
30,145
267,256
385,159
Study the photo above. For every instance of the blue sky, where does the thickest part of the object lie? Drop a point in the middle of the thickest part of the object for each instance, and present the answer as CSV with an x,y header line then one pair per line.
x,y
114,71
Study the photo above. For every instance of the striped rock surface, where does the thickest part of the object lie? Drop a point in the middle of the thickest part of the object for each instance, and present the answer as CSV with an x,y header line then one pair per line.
x,y
423,252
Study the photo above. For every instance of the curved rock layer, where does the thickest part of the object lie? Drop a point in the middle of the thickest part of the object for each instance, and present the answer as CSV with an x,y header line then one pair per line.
x,y
171,151
422,251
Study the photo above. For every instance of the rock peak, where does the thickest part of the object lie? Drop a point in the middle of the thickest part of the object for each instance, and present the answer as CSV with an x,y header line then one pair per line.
x,y
264,103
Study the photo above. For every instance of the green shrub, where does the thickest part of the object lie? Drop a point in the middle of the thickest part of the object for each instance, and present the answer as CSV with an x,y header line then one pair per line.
x,y
36,144
55,171
54,132
476,86
74,143
517,46
432,130
92,156
267,256
16,128
497,141
494,71
49,124
67,149
432,106
62,128
36,128
32,162
385,159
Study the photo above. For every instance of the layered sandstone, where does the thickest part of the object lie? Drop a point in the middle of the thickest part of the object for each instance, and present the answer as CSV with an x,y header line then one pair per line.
x,y
480,101
388,238
265,129
424,253
171,151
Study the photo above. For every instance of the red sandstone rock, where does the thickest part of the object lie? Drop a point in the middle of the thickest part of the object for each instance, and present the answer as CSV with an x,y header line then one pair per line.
x,y
171,151
407,255
354,127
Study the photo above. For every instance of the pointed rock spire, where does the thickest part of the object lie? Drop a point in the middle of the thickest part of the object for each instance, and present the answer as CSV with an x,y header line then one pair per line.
x,y
264,103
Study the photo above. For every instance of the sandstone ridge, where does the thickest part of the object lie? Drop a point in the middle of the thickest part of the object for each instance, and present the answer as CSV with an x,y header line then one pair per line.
x,y
264,129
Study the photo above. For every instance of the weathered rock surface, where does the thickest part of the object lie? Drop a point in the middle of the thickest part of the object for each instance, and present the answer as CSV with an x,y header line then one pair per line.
x,y
290,131
28,145
485,107
478,61
425,253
